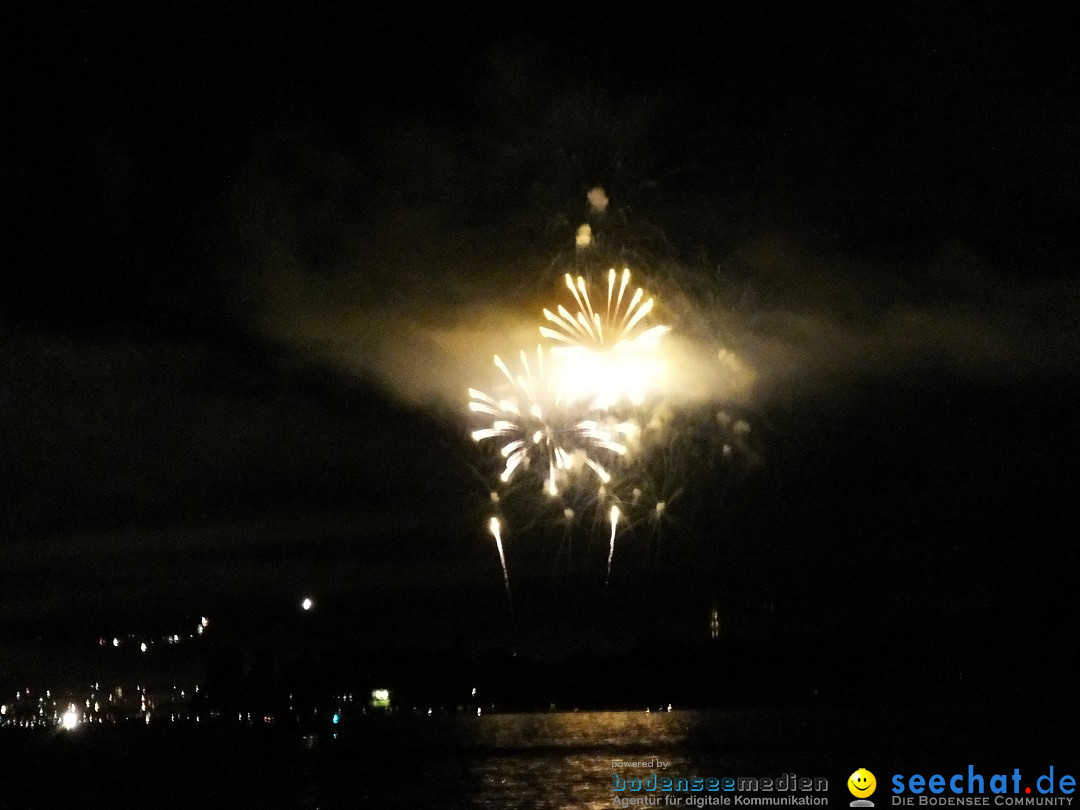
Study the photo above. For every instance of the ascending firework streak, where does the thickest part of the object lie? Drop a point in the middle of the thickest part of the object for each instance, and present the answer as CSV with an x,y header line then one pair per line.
x,y
495,529
608,354
611,545
542,428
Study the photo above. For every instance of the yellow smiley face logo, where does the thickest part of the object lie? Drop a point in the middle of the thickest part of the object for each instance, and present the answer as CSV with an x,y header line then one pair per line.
x,y
861,783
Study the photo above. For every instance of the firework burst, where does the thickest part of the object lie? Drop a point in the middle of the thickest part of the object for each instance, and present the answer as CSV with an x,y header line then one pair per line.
x,y
544,430
609,352
580,420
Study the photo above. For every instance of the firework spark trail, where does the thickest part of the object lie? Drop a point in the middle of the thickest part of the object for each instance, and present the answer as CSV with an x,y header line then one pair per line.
x,y
615,330
658,516
543,428
611,545
496,532
568,534
609,355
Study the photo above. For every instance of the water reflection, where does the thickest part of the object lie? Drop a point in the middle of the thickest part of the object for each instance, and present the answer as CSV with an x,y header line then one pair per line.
x,y
563,761
584,730
556,760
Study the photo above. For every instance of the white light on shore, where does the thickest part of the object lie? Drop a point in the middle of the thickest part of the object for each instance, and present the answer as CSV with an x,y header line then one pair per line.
x,y
308,603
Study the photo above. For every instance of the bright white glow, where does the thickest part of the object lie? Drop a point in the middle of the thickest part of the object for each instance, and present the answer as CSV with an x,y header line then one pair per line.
x,y
545,425
116,642
609,355
615,514
142,647
70,719
307,604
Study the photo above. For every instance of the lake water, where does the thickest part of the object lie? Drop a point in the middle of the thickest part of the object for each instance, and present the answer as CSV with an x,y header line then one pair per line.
x,y
553,760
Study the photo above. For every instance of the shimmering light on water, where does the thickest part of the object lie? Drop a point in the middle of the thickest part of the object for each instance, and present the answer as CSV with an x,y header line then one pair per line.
x,y
544,761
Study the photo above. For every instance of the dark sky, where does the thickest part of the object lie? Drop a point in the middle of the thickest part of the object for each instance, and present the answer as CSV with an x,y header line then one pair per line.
x,y
253,255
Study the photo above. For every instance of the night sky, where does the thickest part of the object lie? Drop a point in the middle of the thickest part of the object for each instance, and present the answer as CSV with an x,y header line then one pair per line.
x,y
254,256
